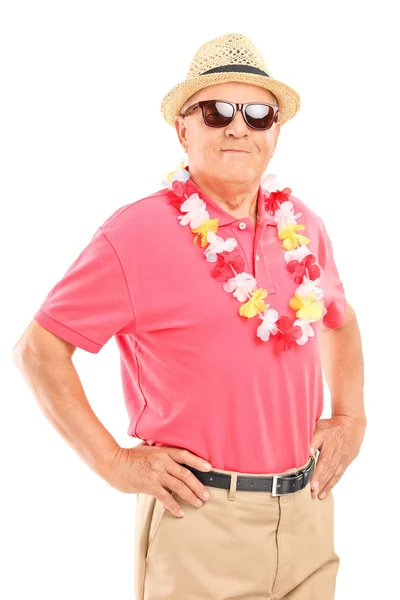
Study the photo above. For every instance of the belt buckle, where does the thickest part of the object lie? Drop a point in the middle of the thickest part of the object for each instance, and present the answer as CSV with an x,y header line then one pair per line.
x,y
274,485
303,473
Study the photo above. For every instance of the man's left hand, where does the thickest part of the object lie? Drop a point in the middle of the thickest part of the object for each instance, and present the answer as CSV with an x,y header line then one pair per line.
x,y
339,441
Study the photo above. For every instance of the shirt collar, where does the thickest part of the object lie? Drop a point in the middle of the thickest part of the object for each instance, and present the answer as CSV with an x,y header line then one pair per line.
x,y
225,218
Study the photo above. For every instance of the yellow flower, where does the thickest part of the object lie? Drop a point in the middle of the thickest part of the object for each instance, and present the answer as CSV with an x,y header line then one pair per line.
x,y
256,304
307,308
292,239
209,225
180,168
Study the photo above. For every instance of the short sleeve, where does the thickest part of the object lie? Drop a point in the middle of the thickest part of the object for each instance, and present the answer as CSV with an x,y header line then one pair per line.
x,y
91,302
335,300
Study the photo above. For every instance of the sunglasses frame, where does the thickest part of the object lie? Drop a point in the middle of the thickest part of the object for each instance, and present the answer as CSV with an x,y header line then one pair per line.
x,y
236,106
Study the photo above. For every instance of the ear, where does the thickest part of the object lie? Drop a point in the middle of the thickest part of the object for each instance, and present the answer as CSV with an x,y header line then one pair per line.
x,y
181,131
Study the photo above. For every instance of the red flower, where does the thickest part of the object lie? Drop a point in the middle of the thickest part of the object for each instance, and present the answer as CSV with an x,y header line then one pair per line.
x,y
271,203
300,268
177,195
288,334
222,270
178,188
175,200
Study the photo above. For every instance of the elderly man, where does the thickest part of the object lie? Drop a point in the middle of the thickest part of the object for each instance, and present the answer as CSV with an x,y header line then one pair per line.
x,y
225,302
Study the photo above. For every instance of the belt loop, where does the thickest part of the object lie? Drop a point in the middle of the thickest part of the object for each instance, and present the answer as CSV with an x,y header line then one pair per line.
x,y
232,488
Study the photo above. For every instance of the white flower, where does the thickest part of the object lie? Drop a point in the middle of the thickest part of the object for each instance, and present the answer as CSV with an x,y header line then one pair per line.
x,y
284,215
218,244
307,330
309,286
268,324
297,254
195,208
270,183
241,285
166,183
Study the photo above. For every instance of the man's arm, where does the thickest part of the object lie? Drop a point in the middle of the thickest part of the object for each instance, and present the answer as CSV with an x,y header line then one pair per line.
x,y
339,438
343,365
45,361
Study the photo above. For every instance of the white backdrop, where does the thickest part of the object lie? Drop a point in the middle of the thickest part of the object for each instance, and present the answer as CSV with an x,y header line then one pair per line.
x,y
81,135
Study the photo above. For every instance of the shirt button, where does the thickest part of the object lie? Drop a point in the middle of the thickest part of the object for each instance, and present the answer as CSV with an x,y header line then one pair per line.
x,y
257,257
242,225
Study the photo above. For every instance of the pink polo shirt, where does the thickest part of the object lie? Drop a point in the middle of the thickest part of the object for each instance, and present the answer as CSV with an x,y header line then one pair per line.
x,y
194,373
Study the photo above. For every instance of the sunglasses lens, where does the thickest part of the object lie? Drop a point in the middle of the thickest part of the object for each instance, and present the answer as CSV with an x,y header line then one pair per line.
x,y
217,114
260,116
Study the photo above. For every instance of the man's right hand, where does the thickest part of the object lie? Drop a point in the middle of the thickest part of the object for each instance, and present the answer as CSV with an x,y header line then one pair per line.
x,y
155,470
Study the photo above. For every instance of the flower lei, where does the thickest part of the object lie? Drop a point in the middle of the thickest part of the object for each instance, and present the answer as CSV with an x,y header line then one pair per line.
x,y
307,299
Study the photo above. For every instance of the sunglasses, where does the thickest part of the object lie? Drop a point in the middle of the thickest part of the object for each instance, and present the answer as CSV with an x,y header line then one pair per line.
x,y
219,113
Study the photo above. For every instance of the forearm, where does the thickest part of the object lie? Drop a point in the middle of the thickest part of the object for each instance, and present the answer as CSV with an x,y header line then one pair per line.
x,y
58,390
343,365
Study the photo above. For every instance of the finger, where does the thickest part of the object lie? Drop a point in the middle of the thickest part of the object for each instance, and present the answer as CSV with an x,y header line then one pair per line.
x,y
167,500
333,481
183,456
331,469
317,440
330,472
324,460
178,488
186,484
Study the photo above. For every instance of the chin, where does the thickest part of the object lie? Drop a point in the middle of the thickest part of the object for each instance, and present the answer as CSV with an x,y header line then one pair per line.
x,y
242,174
236,177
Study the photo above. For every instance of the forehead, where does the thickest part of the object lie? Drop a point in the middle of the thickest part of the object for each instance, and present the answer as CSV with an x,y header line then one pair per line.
x,y
235,92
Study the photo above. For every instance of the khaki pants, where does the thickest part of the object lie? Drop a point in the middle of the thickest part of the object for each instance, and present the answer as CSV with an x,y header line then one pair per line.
x,y
256,547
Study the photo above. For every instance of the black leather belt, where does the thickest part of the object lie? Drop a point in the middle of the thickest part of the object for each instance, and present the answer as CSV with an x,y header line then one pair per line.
x,y
278,485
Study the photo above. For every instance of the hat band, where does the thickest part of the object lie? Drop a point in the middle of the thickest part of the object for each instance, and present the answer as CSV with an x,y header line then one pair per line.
x,y
236,68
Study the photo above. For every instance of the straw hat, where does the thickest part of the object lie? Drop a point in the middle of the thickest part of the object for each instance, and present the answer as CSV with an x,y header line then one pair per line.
x,y
231,57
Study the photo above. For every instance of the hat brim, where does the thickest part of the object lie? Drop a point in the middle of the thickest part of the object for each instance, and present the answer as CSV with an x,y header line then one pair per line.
x,y
288,98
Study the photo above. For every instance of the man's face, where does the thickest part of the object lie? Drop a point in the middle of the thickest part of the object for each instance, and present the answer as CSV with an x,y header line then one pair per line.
x,y
208,147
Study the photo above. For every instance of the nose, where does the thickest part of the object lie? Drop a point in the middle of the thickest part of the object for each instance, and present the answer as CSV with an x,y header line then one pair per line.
x,y
238,126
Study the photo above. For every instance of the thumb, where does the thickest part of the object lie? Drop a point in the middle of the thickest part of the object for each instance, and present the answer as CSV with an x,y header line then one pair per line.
x,y
316,442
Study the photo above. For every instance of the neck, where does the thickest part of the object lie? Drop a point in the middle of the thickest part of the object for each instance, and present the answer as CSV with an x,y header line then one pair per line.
x,y
235,200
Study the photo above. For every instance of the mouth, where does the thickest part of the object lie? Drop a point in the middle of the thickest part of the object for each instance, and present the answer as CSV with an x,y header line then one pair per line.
x,y
237,151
